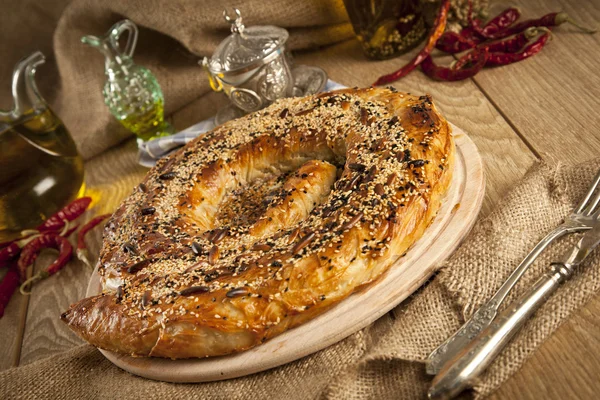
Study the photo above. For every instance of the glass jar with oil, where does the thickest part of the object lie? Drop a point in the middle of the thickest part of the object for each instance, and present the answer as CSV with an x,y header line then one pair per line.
x,y
387,28
131,91
40,168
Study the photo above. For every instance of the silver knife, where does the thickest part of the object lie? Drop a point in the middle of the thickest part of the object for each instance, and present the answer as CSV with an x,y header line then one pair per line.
x,y
461,371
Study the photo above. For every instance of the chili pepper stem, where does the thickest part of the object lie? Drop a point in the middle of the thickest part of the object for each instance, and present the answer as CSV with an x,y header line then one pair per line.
x,y
65,228
29,232
574,23
83,256
29,282
544,30
23,242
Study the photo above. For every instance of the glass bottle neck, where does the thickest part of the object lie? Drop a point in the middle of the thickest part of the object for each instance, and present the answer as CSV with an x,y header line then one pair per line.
x,y
118,68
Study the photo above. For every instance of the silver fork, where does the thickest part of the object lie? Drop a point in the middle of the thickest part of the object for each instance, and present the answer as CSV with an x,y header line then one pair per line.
x,y
580,220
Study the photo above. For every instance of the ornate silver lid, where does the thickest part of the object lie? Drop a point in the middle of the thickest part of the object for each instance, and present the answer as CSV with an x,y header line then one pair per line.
x,y
246,48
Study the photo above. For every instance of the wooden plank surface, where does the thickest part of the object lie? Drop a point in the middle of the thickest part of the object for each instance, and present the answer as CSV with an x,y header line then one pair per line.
x,y
552,101
567,366
11,326
546,105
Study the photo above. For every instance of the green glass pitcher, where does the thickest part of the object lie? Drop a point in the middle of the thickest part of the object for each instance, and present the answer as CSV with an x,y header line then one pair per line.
x,y
131,92
40,168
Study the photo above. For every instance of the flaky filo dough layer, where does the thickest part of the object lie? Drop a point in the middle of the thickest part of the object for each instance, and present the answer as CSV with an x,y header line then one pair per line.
x,y
266,222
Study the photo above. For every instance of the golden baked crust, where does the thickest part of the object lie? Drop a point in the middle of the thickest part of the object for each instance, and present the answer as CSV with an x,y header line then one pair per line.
x,y
266,222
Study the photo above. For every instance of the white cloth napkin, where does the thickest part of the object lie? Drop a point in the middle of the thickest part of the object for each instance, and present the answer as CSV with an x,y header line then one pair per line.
x,y
151,151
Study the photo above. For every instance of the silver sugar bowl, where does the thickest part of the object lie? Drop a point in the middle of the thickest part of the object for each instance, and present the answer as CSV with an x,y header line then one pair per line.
x,y
250,66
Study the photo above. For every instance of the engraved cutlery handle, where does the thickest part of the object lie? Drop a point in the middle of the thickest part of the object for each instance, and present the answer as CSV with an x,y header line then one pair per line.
x,y
482,318
461,338
472,360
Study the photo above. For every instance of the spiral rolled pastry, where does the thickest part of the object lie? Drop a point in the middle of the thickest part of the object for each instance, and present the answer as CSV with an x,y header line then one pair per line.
x,y
266,222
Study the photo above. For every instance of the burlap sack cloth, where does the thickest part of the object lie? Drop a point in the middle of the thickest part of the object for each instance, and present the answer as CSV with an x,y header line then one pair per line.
x,y
382,361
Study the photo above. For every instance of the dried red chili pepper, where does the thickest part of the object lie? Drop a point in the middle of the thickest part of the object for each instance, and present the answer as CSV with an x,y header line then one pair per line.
x,y
438,29
503,58
514,43
32,250
9,284
548,21
501,21
82,252
14,248
68,213
478,58
496,24
477,34
469,33
452,43
10,252
535,47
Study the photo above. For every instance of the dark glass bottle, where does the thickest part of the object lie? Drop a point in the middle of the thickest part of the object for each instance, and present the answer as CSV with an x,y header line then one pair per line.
x,y
387,28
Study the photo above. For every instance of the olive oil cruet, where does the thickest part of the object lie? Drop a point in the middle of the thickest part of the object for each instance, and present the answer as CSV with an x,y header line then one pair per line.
x,y
40,168
131,92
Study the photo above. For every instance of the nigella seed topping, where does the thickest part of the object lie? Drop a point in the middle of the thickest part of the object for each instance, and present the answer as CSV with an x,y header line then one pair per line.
x,y
261,247
371,174
304,112
357,167
213,255
167,176
138,266
352,222
390,179
129,248
148,211
284,113
218,235
196,248
194,290
237,292
364,115
305,241
293,235
327,211
146,298
353,182
199,265
417,163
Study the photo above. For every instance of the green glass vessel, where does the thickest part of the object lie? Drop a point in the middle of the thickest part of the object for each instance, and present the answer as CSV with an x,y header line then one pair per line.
x,y
131,92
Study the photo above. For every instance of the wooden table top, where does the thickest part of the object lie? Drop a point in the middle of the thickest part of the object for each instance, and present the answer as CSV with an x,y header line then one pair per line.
x,y
543,108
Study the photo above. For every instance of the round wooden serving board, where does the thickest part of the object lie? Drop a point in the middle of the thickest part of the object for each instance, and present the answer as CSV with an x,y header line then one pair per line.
x,y
451,225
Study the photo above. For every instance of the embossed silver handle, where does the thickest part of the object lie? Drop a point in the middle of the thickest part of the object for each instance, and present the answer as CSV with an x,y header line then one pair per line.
x,y
472,360
482,318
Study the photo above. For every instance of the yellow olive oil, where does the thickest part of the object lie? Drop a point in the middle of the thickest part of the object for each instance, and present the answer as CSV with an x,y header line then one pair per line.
x,y
40,171
147,124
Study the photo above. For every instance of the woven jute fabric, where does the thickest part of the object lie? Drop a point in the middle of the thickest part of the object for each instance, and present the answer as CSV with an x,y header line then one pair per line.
x,y
386,359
